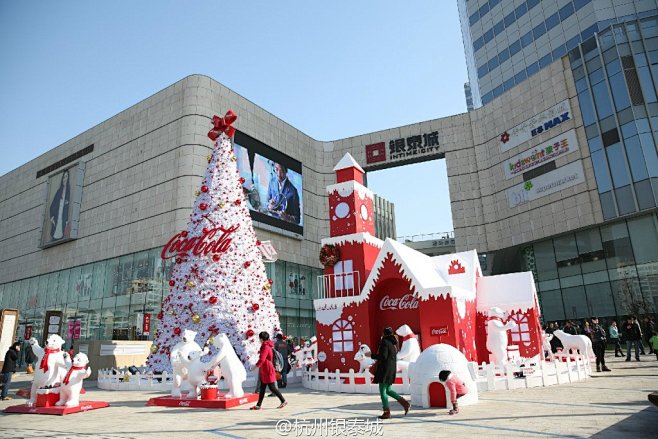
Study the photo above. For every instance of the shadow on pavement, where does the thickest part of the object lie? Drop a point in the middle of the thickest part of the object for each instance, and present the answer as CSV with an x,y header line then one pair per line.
x,y
640,425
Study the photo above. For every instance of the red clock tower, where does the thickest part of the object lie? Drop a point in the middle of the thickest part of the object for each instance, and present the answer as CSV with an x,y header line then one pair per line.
x,y
351,226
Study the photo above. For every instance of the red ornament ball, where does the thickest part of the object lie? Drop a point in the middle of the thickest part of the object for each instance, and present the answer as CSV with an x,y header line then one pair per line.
x,y
160,315
242,180
247,264
215,257
177,331
172,283
255,306
238,202
249,333
204,188
212,300
183,233
258,242
270,281
179,260
203,206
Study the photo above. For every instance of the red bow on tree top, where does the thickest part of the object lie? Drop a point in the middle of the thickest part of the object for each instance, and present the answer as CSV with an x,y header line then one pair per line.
x,y
222,125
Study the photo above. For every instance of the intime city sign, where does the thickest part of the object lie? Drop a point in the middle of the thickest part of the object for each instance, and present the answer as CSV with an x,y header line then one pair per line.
x,y
421,144
536,125
546,152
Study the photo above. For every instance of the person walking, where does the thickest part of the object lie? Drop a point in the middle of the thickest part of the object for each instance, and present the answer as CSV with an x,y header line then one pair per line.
x,y
653,343
648,329
613,331
266,371
8,368
386,357
598,344
283,348
633,336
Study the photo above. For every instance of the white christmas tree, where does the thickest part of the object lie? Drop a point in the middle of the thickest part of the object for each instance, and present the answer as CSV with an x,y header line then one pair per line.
x,y
218,283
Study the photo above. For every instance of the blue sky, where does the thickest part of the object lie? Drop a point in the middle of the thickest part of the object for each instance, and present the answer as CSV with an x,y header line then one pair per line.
x,y
331,69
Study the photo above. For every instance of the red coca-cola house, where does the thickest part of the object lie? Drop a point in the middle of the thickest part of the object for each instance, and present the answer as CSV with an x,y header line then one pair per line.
x,y
375,284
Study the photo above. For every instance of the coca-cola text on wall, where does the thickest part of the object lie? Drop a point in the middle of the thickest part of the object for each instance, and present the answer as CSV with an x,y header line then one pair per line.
x,y
408,301
181,245
439,330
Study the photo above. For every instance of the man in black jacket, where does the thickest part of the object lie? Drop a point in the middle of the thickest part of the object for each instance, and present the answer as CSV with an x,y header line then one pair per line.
x,y
633,336
598,345
8,368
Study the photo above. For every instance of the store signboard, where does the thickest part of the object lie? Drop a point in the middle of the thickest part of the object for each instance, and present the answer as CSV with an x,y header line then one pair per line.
x,y
546,184
412,147
534,126
543,153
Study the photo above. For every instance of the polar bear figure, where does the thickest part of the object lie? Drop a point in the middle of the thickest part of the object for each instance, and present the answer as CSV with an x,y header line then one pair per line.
x,y
580,343
298,353
410,350
364,360
182,349
310,353
69,393
232,368
497,336
546,345
196,370
52,364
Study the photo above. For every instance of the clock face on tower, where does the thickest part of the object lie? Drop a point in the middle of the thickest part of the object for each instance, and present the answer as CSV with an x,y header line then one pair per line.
x,y
364,212
342,210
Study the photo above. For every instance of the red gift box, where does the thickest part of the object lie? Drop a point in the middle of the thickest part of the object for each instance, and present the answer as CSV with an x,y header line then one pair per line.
x,y
209,394
47,397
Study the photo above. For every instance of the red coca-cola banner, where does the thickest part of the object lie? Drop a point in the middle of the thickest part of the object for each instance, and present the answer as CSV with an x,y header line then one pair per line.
x,y
408,301
146,324
213,241
28,332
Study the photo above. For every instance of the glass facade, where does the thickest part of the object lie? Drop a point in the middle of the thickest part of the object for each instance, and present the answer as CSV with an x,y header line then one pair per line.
x,y
616,75
607,271
105,299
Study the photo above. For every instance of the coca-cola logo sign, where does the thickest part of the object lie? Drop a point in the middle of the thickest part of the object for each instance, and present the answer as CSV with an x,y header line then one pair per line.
x,y
213,241
408,301
439,330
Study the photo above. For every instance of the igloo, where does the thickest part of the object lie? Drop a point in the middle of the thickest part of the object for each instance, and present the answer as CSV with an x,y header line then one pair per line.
x,y
426,389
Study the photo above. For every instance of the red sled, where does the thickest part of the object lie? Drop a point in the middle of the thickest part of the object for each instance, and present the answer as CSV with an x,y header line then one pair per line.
x,y
220,403
55,410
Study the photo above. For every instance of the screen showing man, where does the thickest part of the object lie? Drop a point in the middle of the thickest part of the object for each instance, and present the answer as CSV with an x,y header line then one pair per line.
x,y
282,196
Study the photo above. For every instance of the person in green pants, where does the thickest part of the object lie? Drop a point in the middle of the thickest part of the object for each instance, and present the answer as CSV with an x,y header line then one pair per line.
x,y
386,357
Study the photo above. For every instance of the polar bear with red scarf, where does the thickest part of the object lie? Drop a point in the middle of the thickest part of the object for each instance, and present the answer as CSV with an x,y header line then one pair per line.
x,y
497,336
410,349
52,364
69,393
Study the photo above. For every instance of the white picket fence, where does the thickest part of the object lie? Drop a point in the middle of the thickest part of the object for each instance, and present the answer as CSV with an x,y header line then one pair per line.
x,y
142,380
487,377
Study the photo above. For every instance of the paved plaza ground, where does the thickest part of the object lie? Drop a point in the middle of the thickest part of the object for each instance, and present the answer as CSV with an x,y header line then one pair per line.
x,y
610,405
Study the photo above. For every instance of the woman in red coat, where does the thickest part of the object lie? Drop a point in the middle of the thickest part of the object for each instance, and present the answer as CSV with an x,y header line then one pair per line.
x,y
266,371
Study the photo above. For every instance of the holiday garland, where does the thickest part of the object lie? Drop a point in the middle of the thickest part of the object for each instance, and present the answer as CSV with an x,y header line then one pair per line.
x,y
329,255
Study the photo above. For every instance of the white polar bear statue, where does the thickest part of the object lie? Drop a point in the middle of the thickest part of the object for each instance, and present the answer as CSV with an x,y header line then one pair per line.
x,y
497,336
232,368
182,349
546,345
364,360
580,343
69,393
410,350
196,370
52,364
310,357
298,353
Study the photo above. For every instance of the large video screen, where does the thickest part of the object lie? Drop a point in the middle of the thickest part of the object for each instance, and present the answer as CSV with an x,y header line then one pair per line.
x,y
272,184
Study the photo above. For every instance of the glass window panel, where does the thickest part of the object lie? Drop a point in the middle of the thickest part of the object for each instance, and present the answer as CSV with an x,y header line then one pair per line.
x,y
566,255
643,125
552,21
628,129
503,56
628,296
605,40
499,27
636,158
586,108
608,205
62,288
596,277
596,76
545,261
551,305
526,39
601,171
514,48
509,19
650,155
602,100
618,169
619,92
99,276
644,238
595,144
575,303
617,245
539,30
625,200
590,250
644,194
613,67
649,27
566,11
571,281
599,297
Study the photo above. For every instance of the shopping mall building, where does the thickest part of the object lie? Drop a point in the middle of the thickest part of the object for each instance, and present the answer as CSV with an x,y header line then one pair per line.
x,y
557,174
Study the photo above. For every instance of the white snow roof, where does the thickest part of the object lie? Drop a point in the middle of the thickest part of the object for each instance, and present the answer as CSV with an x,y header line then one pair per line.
x,y
506,291
354,238
346,189
347,162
